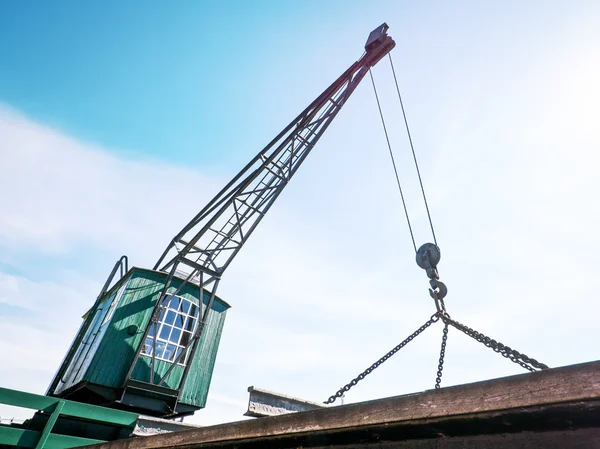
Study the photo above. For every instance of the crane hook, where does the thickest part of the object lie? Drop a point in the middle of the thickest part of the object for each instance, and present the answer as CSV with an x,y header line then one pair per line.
x,y
438,289
428,256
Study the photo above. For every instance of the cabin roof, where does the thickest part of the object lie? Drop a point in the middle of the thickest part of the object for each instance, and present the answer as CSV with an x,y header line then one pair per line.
x,y
117,284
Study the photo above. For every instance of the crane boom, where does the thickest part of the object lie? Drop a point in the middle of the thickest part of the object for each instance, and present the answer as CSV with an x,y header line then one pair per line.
x,y
205,247
210,241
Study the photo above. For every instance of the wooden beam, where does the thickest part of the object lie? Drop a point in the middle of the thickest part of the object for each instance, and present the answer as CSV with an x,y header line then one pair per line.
x,y
550,400
564,439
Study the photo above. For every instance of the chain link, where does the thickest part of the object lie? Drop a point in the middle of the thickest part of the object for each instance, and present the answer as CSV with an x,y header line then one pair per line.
x,y
506,351
438,379
434,319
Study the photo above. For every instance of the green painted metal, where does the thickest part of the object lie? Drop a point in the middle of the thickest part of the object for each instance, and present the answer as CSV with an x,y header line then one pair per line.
x,y
105,354
25,438
70,408
50,425
22,438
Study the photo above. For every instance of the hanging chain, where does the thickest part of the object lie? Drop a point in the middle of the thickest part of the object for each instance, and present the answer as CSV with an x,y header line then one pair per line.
x,y
506,351
438,379
434,319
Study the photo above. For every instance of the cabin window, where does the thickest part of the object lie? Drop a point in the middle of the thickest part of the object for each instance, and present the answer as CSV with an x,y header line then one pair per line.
x,y
113,300
175,327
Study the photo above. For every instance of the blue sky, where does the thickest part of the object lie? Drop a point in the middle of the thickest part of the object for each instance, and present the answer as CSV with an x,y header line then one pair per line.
x,y
109,110
104,72
107,72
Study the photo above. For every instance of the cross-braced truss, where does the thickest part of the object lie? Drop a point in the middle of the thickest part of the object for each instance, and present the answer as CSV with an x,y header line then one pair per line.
x,y
205,247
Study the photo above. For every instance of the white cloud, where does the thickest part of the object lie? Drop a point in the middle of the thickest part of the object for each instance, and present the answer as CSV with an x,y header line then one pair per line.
x,y
60,192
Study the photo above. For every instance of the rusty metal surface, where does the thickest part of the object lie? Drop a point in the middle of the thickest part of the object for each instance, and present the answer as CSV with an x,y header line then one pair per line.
x,y
263,403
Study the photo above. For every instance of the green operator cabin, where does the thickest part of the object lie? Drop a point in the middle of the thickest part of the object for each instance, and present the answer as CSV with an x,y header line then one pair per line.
x,y
96,367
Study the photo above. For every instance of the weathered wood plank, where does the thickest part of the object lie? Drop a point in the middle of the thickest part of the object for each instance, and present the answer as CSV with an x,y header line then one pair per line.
x,y
571,384
566,439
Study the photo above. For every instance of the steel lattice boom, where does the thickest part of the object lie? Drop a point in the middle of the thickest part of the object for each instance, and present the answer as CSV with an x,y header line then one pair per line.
x,y
205,247
210,241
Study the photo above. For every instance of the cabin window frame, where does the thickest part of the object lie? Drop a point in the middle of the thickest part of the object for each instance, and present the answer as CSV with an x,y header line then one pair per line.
x,y
170,338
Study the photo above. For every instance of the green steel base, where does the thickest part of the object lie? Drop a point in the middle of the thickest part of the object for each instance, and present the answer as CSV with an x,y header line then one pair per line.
x,y
60,423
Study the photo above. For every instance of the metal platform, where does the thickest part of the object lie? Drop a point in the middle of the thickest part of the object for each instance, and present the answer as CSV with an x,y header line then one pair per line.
x,y
60,424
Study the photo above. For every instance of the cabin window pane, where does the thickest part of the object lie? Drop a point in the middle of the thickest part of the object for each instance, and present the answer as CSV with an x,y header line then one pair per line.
x,y
185,306
170,352
179,319
160,349
175,327
191,322
164,332
170,317
175,333
113,300
185,338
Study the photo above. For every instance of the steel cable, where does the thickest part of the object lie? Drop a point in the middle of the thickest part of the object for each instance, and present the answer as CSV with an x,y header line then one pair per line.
x,y
387,138
413,151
